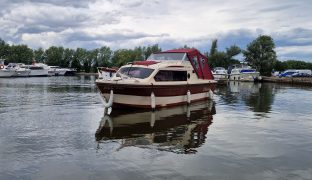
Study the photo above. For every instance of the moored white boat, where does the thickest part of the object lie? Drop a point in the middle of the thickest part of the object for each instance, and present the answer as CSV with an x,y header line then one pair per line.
x,y
165,79
20,70
242,72
220,74
5,71
38,69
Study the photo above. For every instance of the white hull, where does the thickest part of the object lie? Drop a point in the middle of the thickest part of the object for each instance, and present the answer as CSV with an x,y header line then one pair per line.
x,y
220,77
245,77
6,73
22,73
40,72
129,100
57,72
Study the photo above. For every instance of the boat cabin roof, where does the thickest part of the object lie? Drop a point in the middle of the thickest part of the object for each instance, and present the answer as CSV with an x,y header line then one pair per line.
x,y
198,60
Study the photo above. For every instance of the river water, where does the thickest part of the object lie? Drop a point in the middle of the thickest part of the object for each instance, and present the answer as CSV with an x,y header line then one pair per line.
x,y
55,128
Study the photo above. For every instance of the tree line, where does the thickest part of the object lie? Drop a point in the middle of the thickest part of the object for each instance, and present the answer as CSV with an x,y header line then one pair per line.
x,y
259,54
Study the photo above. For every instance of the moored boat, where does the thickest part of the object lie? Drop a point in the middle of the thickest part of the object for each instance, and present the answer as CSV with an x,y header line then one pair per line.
x,y
241,72
20,70
38,69
5,71
220,74
167,78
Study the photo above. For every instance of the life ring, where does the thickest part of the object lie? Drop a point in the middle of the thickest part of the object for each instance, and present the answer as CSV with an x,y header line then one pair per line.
x,y
1,66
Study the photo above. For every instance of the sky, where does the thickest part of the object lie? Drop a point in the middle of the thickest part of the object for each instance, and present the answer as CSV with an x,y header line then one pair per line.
x,y
169,23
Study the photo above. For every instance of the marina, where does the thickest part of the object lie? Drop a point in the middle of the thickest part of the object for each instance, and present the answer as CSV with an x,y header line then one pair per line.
x,y
55,127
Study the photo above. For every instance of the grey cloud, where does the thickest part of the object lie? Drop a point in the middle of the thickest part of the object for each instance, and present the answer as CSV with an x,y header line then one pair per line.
x,y
109,37
72,3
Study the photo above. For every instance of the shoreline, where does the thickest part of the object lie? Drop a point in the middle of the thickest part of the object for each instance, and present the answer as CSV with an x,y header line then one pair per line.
x,y
289,80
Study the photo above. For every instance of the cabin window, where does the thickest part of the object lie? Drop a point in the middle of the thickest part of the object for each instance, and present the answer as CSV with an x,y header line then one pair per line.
x,y
136,72
168,56
164,75
202,62
195,62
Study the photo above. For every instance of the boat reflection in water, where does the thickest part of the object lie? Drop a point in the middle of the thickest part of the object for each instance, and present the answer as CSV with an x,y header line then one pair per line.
x,y
180,129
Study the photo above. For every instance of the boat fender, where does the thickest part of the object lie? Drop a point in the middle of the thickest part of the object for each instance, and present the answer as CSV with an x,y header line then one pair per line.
x,y
110,101
210,94
188,97
153,101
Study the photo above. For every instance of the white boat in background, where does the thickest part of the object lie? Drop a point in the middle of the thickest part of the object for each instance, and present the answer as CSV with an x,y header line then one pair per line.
x,y
38,69
20,70
220,74
57,71
241,72
5,71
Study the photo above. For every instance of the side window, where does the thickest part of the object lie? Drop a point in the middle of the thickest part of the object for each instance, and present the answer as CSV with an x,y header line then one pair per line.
x,y
194,59
202,62
163,75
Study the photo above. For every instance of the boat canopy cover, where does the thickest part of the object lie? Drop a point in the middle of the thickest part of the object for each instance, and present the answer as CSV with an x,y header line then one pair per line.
x,y
198,61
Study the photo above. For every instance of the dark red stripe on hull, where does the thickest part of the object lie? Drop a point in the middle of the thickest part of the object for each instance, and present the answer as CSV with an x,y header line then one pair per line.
x,y
159,90
118,105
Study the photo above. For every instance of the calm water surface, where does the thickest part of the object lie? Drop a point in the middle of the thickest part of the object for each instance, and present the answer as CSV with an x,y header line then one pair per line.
x,y
54,128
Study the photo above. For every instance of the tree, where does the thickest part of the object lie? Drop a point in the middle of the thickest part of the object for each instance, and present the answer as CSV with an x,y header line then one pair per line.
x,y
20,54
39,55
122,57
54,56
68,56
222,59
260,54
4,49
214,46
104,56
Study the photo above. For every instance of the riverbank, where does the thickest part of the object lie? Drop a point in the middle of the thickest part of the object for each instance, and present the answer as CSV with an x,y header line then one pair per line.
x,y
289,80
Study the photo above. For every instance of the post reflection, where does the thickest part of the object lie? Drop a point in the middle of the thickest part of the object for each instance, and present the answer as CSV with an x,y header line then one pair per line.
x,y
179,129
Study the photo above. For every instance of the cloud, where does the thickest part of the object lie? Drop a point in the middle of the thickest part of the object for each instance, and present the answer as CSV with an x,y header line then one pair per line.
x,y
171,24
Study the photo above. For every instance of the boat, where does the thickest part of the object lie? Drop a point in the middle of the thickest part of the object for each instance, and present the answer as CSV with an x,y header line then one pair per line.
x,y
5,71
179,129
241,72
38,69
57,71
169,78
220,74
20,70
106,72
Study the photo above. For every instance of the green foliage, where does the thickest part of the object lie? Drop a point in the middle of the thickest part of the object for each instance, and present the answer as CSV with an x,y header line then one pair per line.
x,y
260,54
222,59
39,55
214,47
19,54
292,64
54,56
4,49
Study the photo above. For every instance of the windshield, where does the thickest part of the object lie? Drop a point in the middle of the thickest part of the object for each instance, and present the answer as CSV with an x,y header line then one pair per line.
x,y
168,56
136,72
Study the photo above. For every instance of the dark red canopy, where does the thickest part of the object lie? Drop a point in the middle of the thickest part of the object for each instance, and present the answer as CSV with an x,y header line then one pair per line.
x,y
198,61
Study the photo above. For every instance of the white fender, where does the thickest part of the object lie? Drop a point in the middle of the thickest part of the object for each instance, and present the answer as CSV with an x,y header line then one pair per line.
x,y
210,94
188,97
110,101
153,101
